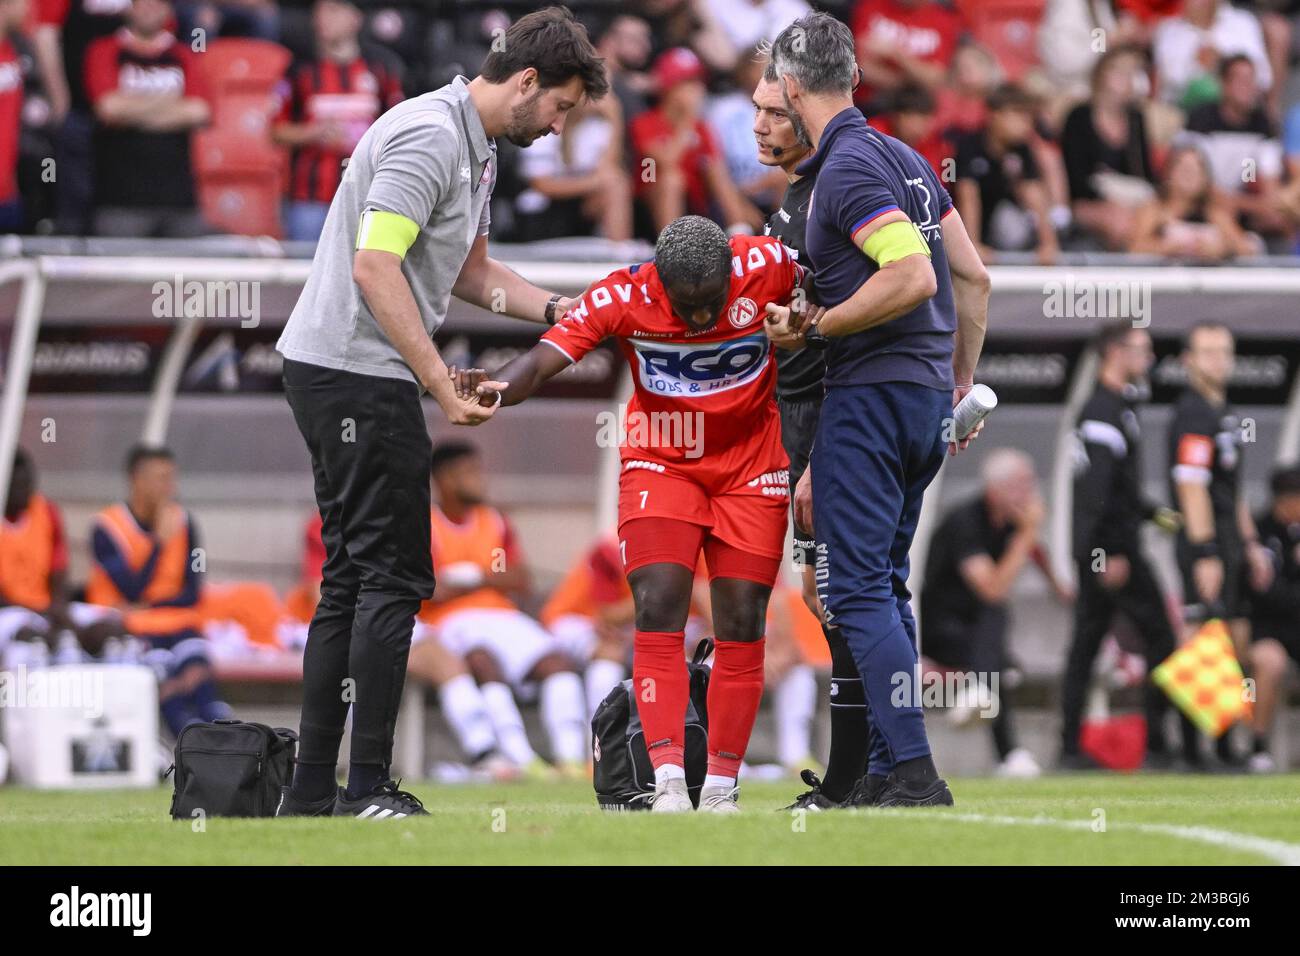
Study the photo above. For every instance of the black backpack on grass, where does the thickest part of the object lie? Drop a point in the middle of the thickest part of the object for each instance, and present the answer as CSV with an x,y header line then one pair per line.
x,y
230,768
622,773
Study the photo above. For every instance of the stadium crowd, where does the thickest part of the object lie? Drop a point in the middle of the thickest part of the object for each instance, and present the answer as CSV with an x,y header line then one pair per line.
x,y
1161,127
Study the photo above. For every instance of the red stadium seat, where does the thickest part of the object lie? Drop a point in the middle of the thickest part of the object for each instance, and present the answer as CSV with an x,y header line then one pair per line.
x,y
248,114
1008,29
218,151
234,64
242,204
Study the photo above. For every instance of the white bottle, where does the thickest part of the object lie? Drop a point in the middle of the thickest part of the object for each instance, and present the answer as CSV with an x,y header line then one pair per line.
x,y
972,410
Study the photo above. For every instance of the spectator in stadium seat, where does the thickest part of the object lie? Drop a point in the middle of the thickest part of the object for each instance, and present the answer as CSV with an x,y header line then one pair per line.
x,y
912,118
146,565
976,553
591,614
36,144
731,116
1104,142
34,605
148,94
962,101
250,18
1188,49
677,166
481,572
12,48
1189,219
1275,612
1244,152
624,44
901,42
326,103
577,181
740,25
1000,191
65,29
1068,47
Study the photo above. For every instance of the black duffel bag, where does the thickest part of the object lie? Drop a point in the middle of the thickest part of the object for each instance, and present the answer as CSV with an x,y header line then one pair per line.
x,y
230,768
622,773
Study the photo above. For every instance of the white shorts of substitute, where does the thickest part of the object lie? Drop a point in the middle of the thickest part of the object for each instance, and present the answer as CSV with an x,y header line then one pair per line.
x,y
515,640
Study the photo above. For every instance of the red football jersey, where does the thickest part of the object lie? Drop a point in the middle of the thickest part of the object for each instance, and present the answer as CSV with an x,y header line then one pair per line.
x,y
704,399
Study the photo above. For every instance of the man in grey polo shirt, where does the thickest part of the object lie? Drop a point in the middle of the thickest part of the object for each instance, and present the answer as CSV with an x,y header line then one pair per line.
x,y
407,229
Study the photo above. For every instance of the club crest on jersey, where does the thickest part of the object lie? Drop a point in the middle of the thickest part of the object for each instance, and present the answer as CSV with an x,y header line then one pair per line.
x,y
689,369
742,312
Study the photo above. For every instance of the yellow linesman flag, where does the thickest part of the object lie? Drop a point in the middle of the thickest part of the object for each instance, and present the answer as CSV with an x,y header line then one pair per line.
x,y
1204,679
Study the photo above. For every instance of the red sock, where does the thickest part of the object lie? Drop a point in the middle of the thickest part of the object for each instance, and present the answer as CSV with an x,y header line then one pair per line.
x,y
662,690
735,688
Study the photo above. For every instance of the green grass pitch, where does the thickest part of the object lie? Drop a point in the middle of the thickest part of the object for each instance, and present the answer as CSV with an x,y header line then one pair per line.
x,y
1072,820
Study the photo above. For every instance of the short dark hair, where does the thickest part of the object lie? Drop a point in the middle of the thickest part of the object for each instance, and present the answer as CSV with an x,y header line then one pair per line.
x,y
1010,96
142,452
1110,335
913,98
692,251
553,43
1285,481
1228,62
448,452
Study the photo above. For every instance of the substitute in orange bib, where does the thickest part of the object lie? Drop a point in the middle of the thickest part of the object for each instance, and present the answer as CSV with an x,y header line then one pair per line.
x,y
591,613
147,568
480,571
37,616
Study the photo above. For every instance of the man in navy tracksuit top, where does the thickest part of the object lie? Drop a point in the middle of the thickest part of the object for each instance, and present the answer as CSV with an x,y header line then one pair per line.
x,y
906,299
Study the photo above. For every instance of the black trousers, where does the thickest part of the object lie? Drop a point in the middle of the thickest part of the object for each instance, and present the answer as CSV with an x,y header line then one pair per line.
x,y
370,458
978,646
1140,598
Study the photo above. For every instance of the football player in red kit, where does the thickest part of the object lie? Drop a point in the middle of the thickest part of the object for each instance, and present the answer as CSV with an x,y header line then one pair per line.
x,y
702,469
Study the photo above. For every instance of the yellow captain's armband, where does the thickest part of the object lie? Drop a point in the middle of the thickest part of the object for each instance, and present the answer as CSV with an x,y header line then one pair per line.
x,y
387,232
895,241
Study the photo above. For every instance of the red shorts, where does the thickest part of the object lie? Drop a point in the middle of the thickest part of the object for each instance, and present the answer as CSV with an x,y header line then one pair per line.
x,y
742,531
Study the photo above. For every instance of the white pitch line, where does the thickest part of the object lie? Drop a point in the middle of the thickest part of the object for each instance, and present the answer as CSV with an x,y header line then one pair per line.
x,y
1279,851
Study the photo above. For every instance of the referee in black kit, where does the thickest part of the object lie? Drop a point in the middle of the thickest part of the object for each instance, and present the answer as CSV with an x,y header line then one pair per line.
x,y
407,229
1114,573
1219,551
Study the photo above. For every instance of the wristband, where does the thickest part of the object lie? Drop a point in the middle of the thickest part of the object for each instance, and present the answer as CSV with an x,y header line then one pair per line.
x,y
1203,549
551,303
815,339
500,397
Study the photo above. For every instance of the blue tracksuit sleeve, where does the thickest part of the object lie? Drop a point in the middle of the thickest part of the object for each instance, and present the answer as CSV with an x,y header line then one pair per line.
x,y
107,556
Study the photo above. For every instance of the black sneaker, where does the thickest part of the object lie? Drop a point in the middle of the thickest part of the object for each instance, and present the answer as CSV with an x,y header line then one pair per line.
x,y
896,793
813,799
385,802
866,791
1160,761
1076,762
291,806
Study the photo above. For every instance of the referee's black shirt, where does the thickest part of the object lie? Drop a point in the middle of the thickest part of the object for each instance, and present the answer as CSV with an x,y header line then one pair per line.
x,y
799,372
1205,446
